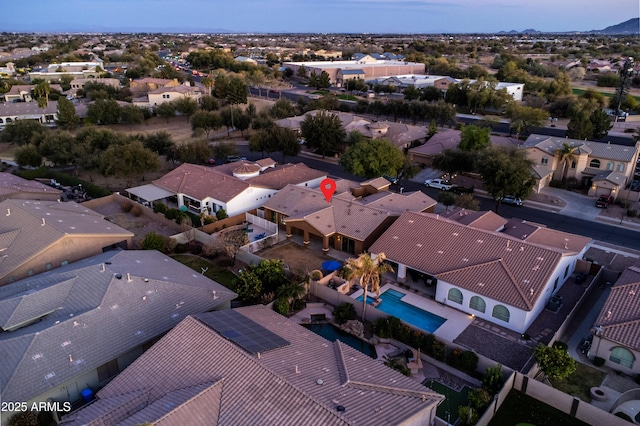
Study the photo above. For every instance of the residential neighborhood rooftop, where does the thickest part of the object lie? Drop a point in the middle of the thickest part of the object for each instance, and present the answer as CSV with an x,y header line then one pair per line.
x,y
13,186
304,380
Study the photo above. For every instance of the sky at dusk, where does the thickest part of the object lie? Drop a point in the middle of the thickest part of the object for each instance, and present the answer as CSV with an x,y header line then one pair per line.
x,y
315,16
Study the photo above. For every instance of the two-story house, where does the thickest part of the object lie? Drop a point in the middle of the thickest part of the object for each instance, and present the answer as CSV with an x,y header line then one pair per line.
x,y
602,167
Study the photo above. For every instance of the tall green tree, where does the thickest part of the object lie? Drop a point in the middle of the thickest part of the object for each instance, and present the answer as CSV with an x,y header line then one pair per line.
x,y
208,83
22,132
41,91
601,123
505,171
372,158
207,121
128,160
323,81
474,138
166,110
524,117
66,115
368,269
131,114
453,161
186,106
28,155
237,91
323,132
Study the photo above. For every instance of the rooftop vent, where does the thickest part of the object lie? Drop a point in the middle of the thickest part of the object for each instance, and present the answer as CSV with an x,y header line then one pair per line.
x,y
118,276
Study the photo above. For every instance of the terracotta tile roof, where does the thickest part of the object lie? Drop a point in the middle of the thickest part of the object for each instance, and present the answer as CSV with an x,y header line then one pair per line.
x,y
182,89
266,162
615,178
345,214
12,184
283,175
378,183
487,220
416,201
550,144
570,243
620,315
471,258
299,383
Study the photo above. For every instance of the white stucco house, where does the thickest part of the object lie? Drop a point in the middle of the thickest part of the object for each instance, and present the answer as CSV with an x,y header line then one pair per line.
x,y
503,271
235,188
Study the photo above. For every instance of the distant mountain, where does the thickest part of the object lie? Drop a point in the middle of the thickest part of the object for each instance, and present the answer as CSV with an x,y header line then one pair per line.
x,y
628,27
527,31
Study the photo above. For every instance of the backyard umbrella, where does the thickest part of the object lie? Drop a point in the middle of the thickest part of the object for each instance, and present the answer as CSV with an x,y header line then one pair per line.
x,y
331,265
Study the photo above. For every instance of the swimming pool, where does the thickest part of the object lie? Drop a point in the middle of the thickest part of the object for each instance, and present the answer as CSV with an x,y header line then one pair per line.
x,y
392,305
332,334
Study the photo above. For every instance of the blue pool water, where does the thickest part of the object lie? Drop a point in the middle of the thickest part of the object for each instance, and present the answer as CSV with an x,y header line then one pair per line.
x,y
332,334
392,305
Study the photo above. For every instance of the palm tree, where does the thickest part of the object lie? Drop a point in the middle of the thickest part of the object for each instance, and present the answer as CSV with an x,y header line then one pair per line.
x,y
208,83
566,153
42,89
291,291
369,270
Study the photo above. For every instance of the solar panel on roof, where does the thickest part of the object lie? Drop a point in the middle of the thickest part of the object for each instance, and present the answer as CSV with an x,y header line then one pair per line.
x,y
244,332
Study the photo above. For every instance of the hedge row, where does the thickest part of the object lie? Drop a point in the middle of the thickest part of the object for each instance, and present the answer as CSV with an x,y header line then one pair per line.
x,y
94,191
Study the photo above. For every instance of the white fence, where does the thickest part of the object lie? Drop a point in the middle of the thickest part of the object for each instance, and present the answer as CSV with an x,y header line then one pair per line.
x,y
270,239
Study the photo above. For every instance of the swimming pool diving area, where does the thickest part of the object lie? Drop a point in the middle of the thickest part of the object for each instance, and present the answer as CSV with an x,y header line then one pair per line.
x,y
393,304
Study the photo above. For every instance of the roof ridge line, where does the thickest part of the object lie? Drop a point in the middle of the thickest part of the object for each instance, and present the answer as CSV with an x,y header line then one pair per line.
x,y
212,385
622,323
516,285
393,389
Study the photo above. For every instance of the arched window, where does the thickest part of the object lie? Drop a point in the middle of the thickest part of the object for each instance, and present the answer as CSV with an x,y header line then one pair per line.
x,y
595,164
477,303
9,120
1,121
622,356
501,312
455,295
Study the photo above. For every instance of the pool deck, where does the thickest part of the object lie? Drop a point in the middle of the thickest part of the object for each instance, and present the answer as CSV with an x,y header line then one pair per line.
x,y
456,321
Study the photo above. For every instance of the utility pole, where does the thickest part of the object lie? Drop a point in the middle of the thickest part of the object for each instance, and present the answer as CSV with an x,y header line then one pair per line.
x,y
625,84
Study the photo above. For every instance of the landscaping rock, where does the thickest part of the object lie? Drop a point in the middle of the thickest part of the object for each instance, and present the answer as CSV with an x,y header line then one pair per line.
x,y
354,327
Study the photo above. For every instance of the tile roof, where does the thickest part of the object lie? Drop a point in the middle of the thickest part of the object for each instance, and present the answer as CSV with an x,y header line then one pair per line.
x,y
471,258
450,138
97,315
28,228
615,178
27,108
11,184
16,89
343,215
301,383
550,144
487,220
620,315
218,182
182,89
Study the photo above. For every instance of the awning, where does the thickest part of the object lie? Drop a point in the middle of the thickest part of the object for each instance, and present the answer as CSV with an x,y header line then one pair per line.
x,y
150,192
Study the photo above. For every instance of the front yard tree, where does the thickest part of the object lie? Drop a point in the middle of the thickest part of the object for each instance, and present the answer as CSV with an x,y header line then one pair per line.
x,y
474,138
67,117
368,270
506,171
372,158
452,161
41,92
323,132
554,362
567,154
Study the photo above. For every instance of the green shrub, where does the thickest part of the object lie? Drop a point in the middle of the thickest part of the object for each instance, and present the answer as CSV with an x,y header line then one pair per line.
x,y
195,248
94,191
573,183
469,361
344,312
556,184
561,345
221,214
160,207
126,206
316,275
153,241
172,214
180,248
598,362
381,328
299,304
281,306
632,212
492,380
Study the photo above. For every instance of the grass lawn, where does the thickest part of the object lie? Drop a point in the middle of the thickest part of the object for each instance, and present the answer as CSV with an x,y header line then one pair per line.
x,y
520,408
215,272
579,383
347,97
579,92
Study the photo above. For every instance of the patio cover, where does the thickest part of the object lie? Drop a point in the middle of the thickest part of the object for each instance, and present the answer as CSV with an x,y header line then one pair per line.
x,y
150,192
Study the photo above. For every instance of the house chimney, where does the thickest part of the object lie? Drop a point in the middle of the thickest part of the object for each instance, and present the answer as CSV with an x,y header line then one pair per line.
x,y
43,223
102,269
128,277
297,369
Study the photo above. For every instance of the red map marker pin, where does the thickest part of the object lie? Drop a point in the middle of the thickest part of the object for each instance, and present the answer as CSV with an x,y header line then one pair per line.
x,y
328,187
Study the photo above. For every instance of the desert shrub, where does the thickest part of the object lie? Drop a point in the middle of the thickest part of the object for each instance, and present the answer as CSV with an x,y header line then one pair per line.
x,y
469,361
24,418
153,241
208,219
180,248
467,415
281,306
598,362
126,206
316,275
160,207
195,248
136,210
344,312
632,212
267,298
492,380
556,184
209,251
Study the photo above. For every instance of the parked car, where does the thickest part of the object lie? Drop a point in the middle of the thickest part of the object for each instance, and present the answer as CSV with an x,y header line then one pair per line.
x,y
391,179
234,159
603,201
510,199
442,184
459,189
